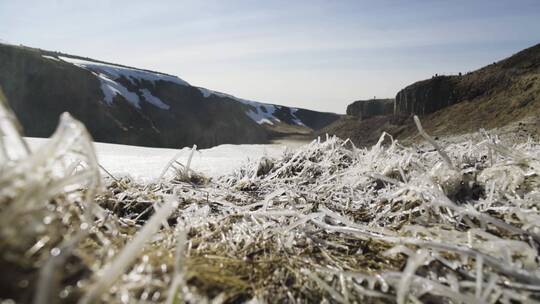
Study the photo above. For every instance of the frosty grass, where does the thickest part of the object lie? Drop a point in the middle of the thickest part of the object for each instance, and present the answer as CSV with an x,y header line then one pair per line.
x,y
329,222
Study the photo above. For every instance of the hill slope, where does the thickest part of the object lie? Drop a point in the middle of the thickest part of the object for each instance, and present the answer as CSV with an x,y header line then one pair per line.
x,y
126,105
491,97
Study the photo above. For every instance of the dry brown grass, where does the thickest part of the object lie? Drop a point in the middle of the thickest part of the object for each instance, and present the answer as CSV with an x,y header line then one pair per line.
x,y
326,223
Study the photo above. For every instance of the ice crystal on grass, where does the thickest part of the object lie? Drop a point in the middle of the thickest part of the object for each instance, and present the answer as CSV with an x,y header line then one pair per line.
x,y
327,222
47,206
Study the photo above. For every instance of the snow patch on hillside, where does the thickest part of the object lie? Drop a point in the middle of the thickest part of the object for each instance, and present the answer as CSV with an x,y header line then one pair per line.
x,y
135,76
259,112
112,88
262,114
154,100
207,93
109,75
296,120
51,58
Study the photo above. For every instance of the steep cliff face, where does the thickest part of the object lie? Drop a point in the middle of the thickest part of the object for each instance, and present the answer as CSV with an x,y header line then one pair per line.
x,y
364,109
493,96
431,95
427,96
120,104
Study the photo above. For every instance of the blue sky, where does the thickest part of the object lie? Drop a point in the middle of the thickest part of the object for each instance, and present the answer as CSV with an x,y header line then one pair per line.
x,y
314,54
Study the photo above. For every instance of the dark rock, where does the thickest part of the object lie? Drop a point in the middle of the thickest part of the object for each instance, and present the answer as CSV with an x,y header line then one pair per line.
x,y
427,96
40,89
430,95
364,109
491,97
316,120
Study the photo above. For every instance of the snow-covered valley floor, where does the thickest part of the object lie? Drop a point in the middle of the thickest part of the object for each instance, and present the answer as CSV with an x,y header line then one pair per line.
x,y
452,221
146,164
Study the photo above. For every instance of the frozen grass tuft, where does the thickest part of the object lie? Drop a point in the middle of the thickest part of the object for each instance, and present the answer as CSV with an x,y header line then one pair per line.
x,y
327,222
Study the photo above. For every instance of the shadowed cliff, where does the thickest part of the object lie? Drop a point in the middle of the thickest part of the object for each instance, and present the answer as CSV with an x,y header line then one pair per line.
x,y
125,105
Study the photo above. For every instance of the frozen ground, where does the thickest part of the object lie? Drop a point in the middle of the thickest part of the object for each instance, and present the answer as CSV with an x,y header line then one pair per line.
x,y
450,223
146,164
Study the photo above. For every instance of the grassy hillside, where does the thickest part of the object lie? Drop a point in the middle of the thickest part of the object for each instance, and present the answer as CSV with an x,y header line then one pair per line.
x,y
491,97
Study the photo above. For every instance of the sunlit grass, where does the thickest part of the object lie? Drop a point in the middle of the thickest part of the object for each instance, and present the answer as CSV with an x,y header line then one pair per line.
x,y
327,222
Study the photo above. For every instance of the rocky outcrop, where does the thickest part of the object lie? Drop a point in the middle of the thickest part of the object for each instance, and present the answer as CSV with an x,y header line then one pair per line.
x,y
431,95
364,109
427,96
495,96
126,105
